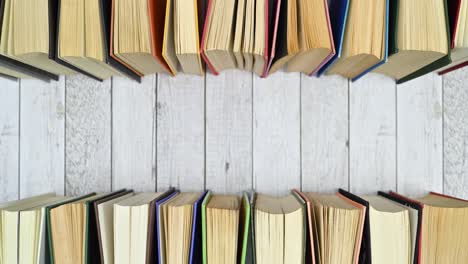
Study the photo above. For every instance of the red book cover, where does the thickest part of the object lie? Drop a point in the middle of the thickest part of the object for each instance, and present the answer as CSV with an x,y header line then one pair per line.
x,y
309,223
202,45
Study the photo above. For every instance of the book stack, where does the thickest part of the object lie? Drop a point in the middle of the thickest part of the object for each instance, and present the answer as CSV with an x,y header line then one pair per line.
x,y
403,39
203,227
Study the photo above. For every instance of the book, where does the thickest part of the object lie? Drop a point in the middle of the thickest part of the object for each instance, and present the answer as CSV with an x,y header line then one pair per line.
x,y
387,230
81,38
338,13
336,245
176,227
280,225
415,215
137,35
218,35
15,223
245,252
220,228
134,228
104,214
70,231
365,39
457,13
419,40
445,218
304,39
27,21
309,242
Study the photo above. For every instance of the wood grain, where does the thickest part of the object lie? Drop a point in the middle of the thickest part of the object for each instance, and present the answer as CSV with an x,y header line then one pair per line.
x,y
324,104
133,121
372,138
229,132
419,136
88,135
456,133
181,132
42,137
276,133
9,139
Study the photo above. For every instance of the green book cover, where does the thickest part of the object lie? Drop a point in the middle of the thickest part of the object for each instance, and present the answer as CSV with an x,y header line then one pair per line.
x,y
49,241
246,227
393,46
205,202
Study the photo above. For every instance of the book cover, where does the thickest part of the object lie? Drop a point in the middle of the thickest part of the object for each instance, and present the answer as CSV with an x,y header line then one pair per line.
x,y
442,62
393,196
50,240
159,237
203,40
20,67
244,230
106,8
386,40
196,240
204,228
347,197
310,247
338,13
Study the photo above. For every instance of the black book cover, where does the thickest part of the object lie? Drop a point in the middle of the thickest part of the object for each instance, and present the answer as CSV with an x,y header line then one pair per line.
x,y
365,256
54,26
106,13
414,205
19,66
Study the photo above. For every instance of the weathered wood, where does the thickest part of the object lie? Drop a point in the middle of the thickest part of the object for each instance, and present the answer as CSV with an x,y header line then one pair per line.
x,y
88,135
276,133
42,137
372,138
324,149
180,132
133,121
419,136
229,132
456,133
9,139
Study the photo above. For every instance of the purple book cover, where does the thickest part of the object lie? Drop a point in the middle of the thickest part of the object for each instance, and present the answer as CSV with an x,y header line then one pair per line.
x,y
196,243
158,231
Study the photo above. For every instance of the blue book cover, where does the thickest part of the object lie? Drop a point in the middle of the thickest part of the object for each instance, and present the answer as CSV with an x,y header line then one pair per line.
x,y
338,15
159,237
196,242
387,6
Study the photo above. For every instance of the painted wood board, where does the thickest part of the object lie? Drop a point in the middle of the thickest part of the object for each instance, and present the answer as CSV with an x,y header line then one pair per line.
x,y
419,136
324,104
372,134
133,135
42,137
180,132
276,133
88,135
9,139
229,132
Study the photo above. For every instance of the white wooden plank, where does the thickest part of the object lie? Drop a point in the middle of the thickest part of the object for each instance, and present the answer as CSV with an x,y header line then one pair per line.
x,y
9,134
456,133
42,135
276,133
133,118
324,103
180,132
229,132
372,137
419,140
88,135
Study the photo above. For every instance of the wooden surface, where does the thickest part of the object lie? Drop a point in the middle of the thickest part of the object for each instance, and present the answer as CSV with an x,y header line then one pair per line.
x,y
234,132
